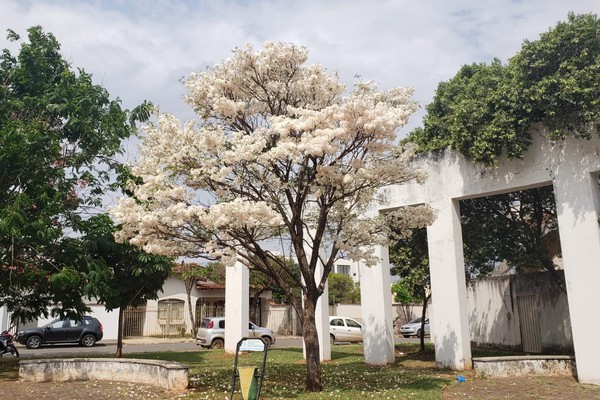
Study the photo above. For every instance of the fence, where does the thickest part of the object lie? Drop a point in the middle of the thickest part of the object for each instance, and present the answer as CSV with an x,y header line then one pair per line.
x,y
281,319
170,321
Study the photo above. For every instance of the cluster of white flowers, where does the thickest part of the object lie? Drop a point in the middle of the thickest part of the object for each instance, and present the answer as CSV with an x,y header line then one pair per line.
x,y
273,134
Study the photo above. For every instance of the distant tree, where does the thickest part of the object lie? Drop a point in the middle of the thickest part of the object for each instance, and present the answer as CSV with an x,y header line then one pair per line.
x,y
189,273
403,296
120,275
409,257
59,134
342,289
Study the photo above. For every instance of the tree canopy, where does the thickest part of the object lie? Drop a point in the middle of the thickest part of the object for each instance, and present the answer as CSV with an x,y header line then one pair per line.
x,y
518,228
286,159
59,134
553,83
342,289
118,275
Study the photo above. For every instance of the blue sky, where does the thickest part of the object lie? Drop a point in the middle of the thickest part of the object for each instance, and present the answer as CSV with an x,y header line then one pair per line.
x,y
140,49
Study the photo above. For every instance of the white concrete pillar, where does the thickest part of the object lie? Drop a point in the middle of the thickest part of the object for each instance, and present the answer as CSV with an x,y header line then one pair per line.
x,y
4,319
237,295
322,319
376,308
578,206
449,315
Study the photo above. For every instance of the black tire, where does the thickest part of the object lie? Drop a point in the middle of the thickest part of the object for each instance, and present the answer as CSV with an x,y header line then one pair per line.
x,y
14,351
419,333
406,336
33,342
88,340
217,344
267,341
331,340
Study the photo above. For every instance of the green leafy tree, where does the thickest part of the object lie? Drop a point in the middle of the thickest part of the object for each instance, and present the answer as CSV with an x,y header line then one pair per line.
x,y
410,259
59,134
120,275
189,273
489,109
557,77
473,113
342,289
518,228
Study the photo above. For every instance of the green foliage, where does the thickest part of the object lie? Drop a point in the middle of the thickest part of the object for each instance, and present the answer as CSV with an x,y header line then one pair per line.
x,y
410,260
558,77
402,293
120,274
59,133
519,228
489,109
342,289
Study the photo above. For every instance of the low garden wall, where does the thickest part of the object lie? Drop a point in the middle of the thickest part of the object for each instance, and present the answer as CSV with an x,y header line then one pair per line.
x,y
523,365
165,374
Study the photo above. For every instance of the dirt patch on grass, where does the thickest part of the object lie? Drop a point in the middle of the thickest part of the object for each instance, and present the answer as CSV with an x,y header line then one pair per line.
x,y
19,390
522,388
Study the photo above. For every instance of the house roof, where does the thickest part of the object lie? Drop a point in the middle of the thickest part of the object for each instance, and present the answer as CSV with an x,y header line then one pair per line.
x,y
203,284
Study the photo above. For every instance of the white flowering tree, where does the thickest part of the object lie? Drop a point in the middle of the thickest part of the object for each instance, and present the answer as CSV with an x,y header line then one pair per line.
x,y
279,161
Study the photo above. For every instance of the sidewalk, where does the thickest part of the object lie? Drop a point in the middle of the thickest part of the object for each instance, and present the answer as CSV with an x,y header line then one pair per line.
x,y
153,340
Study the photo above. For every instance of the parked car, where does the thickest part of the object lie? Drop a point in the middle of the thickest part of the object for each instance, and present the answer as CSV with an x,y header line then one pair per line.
x,y
344,329
211,333
413,328
86,332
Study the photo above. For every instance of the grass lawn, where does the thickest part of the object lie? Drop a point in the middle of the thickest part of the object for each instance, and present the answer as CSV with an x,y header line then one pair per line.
x,y
346,376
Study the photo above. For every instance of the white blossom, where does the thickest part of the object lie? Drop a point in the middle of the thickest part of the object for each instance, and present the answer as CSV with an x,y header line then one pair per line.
x,y
277,147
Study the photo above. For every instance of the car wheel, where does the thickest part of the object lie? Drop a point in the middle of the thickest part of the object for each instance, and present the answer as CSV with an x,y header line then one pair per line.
x,y
217,344
88,340
33,342
332,339
419,333
406,336
267,340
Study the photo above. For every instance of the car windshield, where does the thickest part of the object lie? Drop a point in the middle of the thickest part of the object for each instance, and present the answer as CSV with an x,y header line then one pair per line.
x,y
415,321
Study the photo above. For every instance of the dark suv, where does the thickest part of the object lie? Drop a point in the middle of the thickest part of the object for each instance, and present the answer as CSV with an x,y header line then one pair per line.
x,y
86,332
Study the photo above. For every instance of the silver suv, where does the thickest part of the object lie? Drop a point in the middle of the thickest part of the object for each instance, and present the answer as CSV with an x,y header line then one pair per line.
x,y
212,333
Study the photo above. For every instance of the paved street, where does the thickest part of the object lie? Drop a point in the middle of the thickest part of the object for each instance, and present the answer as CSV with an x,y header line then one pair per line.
x,y
142,345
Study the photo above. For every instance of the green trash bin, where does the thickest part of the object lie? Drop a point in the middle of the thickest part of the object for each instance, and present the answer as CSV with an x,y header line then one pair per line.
x,y
251,377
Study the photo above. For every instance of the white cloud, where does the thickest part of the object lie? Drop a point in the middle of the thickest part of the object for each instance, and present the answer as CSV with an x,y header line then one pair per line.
x,y
139,49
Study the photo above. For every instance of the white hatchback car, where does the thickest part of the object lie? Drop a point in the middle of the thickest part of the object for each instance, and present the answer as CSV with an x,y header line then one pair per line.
x,y
413,328
344,329
211,333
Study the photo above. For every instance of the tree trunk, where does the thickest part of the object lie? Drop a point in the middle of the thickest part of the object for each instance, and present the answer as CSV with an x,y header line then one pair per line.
x,y
119,353
311,345
422,336
189,284
253,306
